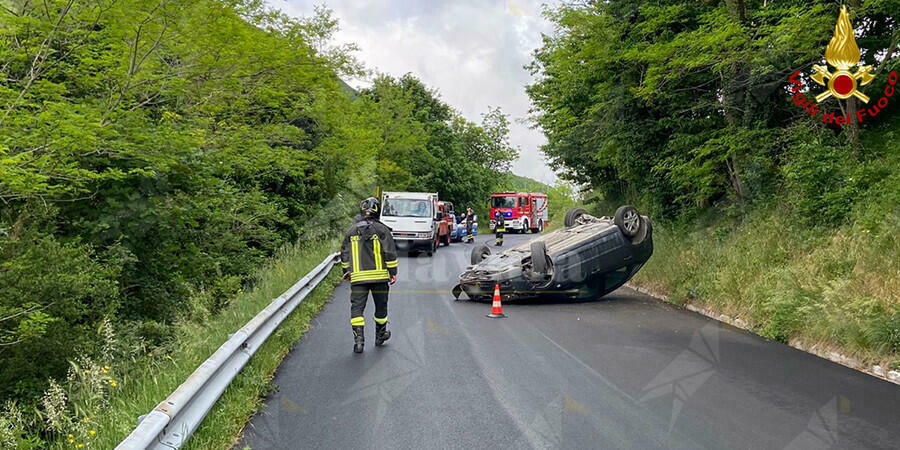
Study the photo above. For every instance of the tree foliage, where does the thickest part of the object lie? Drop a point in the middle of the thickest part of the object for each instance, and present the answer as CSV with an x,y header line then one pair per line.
x,y
682,104
154,154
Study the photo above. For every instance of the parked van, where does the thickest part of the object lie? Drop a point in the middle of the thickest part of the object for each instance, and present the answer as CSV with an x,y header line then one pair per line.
x,y
414,220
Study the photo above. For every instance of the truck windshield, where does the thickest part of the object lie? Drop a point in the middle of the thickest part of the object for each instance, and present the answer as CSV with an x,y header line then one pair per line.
x,y
503,202
405,207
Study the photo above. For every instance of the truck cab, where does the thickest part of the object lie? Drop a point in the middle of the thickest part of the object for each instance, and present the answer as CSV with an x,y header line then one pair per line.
x,y
415,220
522,211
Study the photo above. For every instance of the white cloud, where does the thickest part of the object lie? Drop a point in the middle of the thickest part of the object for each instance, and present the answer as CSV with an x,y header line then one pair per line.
x,y
472,52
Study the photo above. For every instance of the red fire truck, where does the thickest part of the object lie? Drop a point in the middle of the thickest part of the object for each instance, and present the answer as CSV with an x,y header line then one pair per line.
x,y
522,211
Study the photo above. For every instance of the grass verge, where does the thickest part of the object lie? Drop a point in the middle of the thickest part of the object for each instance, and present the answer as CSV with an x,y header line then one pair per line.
x,y
148,379
837,288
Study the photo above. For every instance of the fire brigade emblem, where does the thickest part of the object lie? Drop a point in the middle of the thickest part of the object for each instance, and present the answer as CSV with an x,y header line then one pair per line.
x,y
842,53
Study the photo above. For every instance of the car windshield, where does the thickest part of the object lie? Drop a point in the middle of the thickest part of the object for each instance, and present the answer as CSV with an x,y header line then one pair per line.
x,y
503,202
405,207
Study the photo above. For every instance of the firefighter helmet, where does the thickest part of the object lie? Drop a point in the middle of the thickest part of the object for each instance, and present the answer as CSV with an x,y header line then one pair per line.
x,y
370,206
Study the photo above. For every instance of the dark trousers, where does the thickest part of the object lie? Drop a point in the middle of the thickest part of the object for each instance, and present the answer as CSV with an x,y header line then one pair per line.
x,y
469,236
359,294
498,234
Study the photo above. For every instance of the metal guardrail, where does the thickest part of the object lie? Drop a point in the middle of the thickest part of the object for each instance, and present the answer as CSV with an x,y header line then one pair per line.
x,y
174,420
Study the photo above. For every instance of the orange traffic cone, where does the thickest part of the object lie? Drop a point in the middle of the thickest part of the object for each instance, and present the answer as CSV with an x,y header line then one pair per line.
x,y
496,307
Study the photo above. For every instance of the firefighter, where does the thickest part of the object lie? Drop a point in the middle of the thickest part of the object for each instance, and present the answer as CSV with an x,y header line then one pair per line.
x,y
499,228
369,260
470,224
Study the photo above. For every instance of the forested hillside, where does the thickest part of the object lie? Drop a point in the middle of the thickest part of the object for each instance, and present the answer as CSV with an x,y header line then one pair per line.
x,y
155,154
762,211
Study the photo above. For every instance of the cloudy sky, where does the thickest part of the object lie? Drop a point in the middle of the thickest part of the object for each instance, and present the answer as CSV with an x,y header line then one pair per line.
x,y
471,51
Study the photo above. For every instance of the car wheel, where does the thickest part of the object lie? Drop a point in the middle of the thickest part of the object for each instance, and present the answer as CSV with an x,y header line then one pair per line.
x,y
480,252
539,260
572,215
646,229
628,220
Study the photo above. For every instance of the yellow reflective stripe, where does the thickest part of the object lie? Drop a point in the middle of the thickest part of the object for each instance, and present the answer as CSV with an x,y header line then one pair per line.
x,y
345,265
369,275
354,250
371,272
369,278
381,321
391,264
376,248
358,321
359,280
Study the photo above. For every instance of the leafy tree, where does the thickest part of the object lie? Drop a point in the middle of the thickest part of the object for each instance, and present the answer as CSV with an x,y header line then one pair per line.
x,y
681,105
154,154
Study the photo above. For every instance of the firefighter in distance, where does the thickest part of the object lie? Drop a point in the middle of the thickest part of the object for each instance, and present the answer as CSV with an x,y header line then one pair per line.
x,y
499,227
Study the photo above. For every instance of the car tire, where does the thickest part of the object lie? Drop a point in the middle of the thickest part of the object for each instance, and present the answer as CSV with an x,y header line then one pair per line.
x,y
539,261
480,252
646,229
629,221
572,215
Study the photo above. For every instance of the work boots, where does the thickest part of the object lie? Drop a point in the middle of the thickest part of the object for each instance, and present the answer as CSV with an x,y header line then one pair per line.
x,y
359,338
381,334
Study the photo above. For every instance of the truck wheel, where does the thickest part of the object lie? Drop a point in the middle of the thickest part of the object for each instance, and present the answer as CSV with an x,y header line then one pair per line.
x,y
539,260
540,227
572,215
525,227
628,220
480,252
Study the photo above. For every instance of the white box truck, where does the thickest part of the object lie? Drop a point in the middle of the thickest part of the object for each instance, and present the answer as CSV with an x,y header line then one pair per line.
x,y
414,220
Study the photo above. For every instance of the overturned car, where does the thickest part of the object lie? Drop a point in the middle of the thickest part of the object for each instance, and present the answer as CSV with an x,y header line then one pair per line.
x,y
589,258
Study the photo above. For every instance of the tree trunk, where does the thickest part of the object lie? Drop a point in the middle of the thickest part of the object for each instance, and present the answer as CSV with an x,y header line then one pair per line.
x,y
735,99
852,107
853,127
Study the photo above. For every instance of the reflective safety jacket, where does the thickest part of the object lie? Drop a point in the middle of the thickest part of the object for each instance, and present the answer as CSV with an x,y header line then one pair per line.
x,y
500,226
368,252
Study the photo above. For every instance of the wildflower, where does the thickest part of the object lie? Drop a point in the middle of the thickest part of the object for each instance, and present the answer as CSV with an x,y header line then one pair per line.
x,y
71,441
71,436
93,432
112,383
79,445
105,370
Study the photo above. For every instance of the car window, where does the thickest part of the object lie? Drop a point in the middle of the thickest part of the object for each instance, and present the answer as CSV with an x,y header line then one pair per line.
x,y
404,207
503,202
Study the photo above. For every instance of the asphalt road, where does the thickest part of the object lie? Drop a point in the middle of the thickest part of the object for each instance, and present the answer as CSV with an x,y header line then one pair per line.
x,y
624,371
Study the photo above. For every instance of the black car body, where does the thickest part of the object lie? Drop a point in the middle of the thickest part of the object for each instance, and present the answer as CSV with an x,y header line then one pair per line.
x,y
590,257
